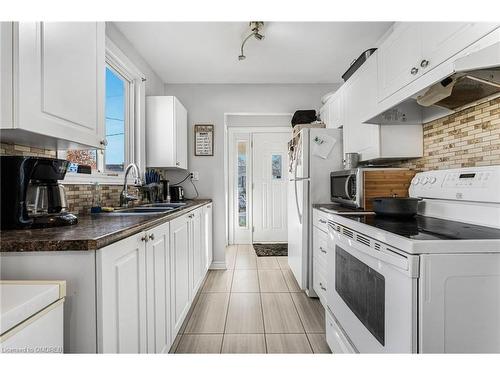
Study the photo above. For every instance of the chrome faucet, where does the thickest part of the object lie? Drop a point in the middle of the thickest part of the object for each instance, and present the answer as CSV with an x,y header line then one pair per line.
x,y
125,197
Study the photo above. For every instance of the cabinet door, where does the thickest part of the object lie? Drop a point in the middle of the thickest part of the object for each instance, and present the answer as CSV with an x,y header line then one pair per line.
x,y
6,77
442,40
398,55
158,289
324,113
336,110
180,134
196,251
207,235
61,67
121,291
179,271
358,136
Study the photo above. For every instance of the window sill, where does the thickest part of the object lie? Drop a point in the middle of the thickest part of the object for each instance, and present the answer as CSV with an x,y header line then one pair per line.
x,y
89,179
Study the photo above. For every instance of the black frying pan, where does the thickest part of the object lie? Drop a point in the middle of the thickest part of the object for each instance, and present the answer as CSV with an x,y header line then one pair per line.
x,y
395,206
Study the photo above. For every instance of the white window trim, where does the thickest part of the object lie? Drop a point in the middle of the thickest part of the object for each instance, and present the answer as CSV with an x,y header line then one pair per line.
x,y
135,139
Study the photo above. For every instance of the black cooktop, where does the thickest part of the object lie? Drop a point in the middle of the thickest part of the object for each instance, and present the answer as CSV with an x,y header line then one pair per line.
x,y
428,228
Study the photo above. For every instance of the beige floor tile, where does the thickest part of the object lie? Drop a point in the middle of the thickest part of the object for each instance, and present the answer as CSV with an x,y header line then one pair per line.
x,y
280,315
290,280
244,314
175,344
288,343
188,315
245,344
245,262
209,314
246,250
218,281
245,281
283,262
318,343
201,344
311,312
267,263
272,281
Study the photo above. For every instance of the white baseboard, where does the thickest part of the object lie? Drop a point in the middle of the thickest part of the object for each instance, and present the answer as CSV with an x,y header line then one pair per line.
x,y
217,265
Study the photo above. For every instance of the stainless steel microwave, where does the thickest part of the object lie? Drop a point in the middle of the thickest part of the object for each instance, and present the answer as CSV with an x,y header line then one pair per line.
x,y
345,187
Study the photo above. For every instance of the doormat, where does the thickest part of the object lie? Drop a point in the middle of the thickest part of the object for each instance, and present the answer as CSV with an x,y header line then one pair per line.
x,y
271,249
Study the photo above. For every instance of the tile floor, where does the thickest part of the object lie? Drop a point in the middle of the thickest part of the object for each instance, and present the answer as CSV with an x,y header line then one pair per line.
x,y
255,306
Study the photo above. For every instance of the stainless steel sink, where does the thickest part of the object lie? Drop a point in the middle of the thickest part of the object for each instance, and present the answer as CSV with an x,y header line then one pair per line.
x,y
140,211
169,205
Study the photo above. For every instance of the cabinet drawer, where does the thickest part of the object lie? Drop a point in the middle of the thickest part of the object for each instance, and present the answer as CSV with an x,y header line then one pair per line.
x,y
320,246
335,337
320,220
319,281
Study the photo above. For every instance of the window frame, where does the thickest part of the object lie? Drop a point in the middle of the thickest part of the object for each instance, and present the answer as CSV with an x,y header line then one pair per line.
x,y
117,61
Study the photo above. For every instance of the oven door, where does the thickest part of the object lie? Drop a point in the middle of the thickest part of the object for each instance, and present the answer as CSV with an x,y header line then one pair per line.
x,y
372,293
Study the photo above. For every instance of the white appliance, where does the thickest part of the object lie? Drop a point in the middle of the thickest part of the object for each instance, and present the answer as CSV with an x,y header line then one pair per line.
x,y
31,316
430,284
313,154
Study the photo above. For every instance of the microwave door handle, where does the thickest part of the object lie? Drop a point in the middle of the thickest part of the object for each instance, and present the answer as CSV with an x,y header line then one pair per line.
x,y
348,179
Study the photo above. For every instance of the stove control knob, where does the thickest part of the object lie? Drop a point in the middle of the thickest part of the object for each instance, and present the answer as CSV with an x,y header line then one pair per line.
x,y
424,181
432,180
415,181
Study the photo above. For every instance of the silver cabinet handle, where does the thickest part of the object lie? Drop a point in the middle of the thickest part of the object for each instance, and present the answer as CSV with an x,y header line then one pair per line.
x,y
209,206
424,63
177,163
321,286
144,238
322,221
152,236
104,142
322,250
414,71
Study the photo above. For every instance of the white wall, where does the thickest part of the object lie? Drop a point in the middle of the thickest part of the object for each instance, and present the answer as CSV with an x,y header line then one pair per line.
x,y
206,104
154,84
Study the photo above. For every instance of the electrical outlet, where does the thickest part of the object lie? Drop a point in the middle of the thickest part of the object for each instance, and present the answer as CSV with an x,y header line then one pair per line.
x,y
195,175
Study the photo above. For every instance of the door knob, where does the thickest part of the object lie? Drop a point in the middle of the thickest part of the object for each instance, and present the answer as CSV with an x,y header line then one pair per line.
x,y
414,71
152,236
424,63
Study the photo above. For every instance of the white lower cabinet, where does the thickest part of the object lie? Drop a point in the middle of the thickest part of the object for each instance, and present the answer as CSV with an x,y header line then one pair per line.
x,y
121,296
146,283
320,253
179,271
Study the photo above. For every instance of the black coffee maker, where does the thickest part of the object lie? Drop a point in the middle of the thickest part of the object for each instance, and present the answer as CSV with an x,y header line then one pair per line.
x,y
31,196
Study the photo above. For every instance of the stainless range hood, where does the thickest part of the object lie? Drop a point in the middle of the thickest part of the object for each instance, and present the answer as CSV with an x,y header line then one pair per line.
x,y
476,77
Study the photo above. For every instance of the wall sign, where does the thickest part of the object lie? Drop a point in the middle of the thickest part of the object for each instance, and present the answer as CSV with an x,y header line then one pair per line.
x,y
204,140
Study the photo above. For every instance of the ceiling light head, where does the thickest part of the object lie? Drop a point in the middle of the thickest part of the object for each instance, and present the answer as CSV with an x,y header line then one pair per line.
x,y
255,27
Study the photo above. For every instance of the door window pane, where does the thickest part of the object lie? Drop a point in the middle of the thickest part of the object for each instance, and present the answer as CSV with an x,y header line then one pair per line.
x,y
242,184
115,121
276,166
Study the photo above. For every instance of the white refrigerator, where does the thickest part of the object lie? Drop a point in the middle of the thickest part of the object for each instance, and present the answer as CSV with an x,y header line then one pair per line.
x,y
313,154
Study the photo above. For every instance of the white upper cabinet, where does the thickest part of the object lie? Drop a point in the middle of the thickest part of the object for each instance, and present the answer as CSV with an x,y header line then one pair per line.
x,y
58,80
166,132
415,48
398,57
332,112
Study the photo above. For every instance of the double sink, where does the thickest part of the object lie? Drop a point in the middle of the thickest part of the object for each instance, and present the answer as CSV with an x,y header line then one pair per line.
x,y
147,209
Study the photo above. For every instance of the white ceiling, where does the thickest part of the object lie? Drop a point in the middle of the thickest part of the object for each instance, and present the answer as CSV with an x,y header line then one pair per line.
x,y
292,52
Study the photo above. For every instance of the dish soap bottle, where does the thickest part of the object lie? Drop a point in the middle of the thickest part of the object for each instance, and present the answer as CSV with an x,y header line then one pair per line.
x,y
96,199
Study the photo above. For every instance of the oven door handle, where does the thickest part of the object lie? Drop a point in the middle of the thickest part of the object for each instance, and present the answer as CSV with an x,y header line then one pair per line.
x,y
389,258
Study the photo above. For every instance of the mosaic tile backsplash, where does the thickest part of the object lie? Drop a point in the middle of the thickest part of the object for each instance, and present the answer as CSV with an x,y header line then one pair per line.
x,y
469,138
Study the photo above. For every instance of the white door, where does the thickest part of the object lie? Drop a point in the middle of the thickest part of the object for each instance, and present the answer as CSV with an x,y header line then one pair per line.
x,y
179,271
121,288
61,80
158,289
269,213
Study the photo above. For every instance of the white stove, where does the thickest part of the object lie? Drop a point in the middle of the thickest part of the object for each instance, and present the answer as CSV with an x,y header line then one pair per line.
x,y
428,284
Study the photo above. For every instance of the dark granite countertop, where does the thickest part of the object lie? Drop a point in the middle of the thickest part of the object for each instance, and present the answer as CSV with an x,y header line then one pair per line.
x,y
91,233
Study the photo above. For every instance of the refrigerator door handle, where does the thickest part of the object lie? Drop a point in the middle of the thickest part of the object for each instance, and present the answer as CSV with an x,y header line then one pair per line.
x,y
297,197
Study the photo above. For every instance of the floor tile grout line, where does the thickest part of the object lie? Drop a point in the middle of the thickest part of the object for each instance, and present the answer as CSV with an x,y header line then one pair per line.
x,y
262,313
302,323
227,309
